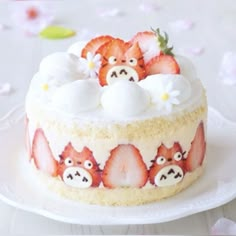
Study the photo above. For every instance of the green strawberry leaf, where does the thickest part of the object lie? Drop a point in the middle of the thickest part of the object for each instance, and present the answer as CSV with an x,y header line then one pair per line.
x,y
163,41
56,32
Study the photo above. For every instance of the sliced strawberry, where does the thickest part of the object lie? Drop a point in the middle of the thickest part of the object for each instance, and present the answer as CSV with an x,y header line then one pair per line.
x,y
102,76
42,154
116,48
197,151
27,138
162,64
103,48
125,168
93,45
148,43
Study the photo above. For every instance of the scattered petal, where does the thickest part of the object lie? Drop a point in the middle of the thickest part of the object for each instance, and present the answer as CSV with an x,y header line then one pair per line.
x,y
3,27
223,226
148,7
31,16
5,89
194,51
57,32
228,68
181,25
112,12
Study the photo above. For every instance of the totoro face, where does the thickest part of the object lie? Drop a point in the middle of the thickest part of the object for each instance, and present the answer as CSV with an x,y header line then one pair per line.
x,y
121,61
168,166
79,169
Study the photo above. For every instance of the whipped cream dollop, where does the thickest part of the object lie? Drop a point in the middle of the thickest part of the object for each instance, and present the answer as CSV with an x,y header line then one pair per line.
x,y
76,48
78,96
160,86
62,85
125,98
61,68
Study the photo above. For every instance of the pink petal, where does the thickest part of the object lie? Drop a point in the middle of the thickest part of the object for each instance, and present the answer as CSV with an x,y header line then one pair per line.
x,y
5,89
34,25
194,51
227,71
3,27
224,226
148,7
181,25
112,12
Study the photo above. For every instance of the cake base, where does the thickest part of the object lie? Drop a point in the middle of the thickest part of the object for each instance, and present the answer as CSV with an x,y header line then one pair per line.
x,y
118,196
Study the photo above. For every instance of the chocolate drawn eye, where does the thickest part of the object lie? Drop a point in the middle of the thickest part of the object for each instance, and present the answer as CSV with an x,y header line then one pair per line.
x,y
88,164
133,61
161,160
178,156
112,60
69,162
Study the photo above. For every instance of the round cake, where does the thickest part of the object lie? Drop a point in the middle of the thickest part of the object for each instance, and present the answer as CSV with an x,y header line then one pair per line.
x,y
114,122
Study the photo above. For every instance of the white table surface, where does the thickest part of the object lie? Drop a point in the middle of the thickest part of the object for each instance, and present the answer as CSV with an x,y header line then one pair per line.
x,y
214,21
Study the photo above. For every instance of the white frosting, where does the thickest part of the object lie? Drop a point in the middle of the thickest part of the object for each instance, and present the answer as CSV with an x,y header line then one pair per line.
x,y
187,68
63,90
78,96
155,85
76,48
124,99
61,67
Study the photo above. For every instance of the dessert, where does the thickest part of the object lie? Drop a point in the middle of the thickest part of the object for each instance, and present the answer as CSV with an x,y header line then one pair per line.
x,y
111,122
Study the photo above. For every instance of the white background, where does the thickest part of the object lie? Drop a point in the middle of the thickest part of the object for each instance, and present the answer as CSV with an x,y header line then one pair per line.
x,y
213,31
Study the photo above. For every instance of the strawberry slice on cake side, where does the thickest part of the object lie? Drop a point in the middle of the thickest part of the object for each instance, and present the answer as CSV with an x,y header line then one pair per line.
x,y
42,154
197,150
125,168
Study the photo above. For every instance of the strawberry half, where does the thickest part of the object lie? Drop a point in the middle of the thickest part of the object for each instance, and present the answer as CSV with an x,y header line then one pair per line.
x,y
125,168
42,154
197,151
148,43
93,45
162,64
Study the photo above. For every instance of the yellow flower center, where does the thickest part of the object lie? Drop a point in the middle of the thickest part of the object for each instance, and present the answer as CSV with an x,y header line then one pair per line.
x,y
91,65
45,87
165,96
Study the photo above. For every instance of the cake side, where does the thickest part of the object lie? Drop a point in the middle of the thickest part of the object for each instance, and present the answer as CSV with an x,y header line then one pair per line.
x,y
117,196
111,118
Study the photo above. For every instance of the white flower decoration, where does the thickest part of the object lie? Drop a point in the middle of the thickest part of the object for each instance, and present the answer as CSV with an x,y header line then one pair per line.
x,y
167,97
48,84
91,65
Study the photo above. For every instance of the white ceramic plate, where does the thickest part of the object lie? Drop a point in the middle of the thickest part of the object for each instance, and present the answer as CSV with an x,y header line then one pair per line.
x,y
19,187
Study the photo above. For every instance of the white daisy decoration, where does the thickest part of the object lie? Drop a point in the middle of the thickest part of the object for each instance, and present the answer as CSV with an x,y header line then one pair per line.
x,y
91,65
167,97
47,87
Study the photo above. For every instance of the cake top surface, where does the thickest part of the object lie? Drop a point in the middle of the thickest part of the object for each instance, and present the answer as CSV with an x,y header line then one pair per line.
x,y
109,78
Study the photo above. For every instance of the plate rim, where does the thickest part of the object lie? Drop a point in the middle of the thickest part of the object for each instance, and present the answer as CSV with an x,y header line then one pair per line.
x,y
109,220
